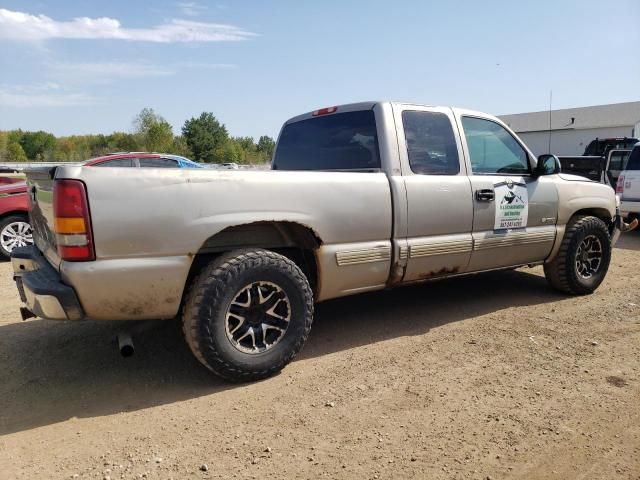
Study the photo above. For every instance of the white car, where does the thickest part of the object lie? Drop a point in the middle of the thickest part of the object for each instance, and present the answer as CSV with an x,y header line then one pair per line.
x,y
628,186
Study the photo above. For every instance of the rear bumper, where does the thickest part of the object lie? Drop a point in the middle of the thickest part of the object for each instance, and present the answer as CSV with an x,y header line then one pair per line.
x,y
620,226
628,206
41,289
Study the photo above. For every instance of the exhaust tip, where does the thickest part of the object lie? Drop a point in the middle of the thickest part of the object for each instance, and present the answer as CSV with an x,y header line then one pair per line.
x,y
26,314
127,351
125,345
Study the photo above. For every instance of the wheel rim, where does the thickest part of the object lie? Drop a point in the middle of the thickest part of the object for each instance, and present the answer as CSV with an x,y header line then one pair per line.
x,y
589,256
16,234
258,317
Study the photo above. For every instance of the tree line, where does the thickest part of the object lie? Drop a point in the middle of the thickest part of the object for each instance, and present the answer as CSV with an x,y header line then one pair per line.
x,y
203,139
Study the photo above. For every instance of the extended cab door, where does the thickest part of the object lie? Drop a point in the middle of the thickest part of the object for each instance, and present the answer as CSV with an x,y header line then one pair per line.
x,y
514,212
439,204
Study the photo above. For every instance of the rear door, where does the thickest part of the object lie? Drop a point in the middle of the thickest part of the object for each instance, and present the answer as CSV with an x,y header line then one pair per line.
x,y
157,162
439,204
514,212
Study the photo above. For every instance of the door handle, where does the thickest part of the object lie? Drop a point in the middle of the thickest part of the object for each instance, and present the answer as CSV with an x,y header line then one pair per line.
x,y
485,195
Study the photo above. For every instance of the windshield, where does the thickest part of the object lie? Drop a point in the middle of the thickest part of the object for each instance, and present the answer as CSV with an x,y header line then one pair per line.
x,y
342,141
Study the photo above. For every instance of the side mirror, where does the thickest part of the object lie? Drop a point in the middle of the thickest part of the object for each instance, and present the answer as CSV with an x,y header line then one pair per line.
x,y
548,165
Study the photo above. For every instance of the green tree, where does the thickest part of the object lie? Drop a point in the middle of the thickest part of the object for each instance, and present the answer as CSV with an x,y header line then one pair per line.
x,y
231,152
15,153
4,143
246,143
205,136
37,145
180,147
266,146
153,132
122,142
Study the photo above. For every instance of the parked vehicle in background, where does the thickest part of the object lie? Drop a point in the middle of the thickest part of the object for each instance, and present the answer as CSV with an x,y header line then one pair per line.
x,y
15,230
363,197
628,186
599,169
600,146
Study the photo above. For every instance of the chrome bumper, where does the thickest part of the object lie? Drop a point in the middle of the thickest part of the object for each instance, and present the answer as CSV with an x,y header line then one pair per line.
x,y
41,289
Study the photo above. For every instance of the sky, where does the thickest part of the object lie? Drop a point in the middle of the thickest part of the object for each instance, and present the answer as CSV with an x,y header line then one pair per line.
x,y
88,66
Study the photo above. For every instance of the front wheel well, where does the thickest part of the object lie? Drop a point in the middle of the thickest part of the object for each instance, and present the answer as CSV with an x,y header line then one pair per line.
x,y
601,213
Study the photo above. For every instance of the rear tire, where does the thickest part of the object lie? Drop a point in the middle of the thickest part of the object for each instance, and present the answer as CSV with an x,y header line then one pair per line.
x,y
583,259
248,314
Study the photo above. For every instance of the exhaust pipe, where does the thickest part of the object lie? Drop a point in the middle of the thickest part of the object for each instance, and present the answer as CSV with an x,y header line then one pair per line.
x,y
125,344
26,314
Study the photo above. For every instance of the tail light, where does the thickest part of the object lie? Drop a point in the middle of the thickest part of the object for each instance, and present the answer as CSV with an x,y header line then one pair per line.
x,y
620,184
72,221
324,111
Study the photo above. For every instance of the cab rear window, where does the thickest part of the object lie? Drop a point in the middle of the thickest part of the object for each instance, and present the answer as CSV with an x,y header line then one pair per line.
x,y
341,141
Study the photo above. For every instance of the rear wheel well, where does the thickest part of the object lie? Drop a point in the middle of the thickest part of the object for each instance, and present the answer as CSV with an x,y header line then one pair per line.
x,y
14,213
292,240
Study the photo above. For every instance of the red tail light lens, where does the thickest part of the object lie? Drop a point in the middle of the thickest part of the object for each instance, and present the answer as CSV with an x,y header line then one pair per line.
x,y
620,184
324,111
72,221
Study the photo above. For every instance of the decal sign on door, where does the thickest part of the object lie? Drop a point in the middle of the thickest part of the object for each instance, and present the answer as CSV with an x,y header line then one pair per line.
x,y
512,204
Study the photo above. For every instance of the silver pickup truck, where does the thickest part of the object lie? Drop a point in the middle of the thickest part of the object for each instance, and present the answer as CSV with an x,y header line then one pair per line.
x,y
360,197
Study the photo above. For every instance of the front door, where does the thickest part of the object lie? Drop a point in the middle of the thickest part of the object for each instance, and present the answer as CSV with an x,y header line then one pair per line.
x,y
439,205
514,212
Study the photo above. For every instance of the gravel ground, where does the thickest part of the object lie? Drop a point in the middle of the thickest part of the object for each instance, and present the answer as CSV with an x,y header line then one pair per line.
x,y
490,376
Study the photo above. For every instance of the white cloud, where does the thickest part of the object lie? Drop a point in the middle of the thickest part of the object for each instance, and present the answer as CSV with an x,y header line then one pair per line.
x,y
107,70
191,9
23,26
46,95
208,66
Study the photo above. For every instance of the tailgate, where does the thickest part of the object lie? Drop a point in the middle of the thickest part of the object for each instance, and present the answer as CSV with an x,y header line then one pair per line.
x,y
631,174
40,188
631,192
589,167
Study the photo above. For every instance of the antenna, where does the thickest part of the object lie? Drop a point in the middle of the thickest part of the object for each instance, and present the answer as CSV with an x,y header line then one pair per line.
x,y
550,103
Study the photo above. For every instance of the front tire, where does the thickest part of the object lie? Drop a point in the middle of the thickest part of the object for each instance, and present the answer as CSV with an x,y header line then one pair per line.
x,y
248,314
15,231
583,259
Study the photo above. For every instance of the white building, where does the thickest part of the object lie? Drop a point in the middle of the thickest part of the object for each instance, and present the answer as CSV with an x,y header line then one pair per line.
x,y
573,128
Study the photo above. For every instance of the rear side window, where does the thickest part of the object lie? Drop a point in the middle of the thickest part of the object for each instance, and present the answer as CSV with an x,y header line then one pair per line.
x,y
158,162
492,149
618,160
431,144
634,159
117,162
342,141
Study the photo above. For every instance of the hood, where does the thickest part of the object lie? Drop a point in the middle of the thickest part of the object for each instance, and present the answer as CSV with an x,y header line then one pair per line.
x,y
13,188
574,178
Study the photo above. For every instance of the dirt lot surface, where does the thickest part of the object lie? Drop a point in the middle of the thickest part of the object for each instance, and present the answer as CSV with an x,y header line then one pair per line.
x,y
491,376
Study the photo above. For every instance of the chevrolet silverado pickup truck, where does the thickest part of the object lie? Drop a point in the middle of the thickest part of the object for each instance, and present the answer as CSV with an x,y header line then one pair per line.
x,y
360,197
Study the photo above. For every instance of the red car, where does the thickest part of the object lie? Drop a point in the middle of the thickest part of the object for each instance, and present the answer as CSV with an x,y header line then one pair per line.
x,y
15,230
